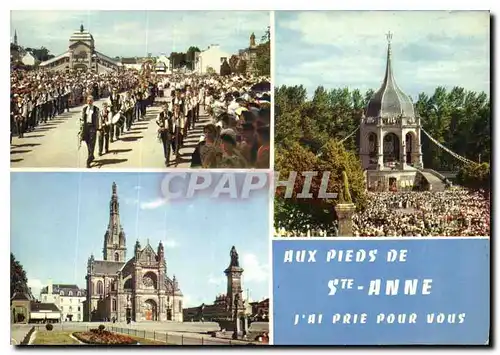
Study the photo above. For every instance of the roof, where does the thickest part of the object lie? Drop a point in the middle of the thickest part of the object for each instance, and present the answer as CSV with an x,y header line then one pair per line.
x,y
107,267
65,288
81,36
38,306
66,54
20,296
389,100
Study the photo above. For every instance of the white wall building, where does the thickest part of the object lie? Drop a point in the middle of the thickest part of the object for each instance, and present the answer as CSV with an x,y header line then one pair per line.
x,y
212,57
28,59
68,298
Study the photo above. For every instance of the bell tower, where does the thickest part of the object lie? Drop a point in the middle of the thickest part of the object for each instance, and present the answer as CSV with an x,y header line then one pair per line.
x,y
114,239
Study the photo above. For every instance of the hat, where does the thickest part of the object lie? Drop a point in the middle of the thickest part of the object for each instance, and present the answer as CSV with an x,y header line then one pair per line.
x,y
228,135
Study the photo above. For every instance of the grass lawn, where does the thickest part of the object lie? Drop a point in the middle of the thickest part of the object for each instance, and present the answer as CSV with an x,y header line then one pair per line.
x,y
44,337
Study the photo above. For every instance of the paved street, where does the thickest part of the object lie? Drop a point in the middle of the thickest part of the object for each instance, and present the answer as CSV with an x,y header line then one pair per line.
x,y
54,145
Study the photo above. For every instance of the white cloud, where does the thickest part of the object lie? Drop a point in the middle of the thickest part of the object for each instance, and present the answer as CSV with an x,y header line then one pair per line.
x,y
153,204
334,27
137,187
123,34
429,49
190,301
170,243
255,271
130,201
36,286
218,281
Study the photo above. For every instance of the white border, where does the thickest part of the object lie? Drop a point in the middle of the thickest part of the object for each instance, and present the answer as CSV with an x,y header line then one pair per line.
x,y
214,5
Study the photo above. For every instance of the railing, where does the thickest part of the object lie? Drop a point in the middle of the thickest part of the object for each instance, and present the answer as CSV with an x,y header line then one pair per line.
x,y
169,338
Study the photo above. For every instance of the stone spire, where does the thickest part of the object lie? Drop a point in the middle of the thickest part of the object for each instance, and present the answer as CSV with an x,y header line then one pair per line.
x,y
15,37
389,100
114,238
252,40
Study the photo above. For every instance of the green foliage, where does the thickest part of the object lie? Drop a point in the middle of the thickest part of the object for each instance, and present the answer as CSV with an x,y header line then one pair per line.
x,y
225,69
49,327
18,279
263,61
298,214
458,119
475,176
210,70
41,54
308,131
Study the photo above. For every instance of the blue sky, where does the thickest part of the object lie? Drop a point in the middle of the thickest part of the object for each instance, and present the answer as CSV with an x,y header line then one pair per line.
x,y
53,235
124,33
348,49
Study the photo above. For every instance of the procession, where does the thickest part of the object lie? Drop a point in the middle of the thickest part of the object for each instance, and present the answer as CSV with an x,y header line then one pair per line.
x,y
235,132
201,108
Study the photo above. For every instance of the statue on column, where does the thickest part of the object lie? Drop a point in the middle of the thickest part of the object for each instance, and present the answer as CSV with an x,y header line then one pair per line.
x,y
234,257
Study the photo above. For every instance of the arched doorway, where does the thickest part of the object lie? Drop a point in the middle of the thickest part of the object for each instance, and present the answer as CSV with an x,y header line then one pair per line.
x,y
391,148
80,67
150,310
409,147
372,147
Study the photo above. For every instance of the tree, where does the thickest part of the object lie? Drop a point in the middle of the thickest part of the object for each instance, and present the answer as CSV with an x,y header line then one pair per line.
x,y
225,69
475,176
191,57
210,71
18,279
178,59
263,60
41,54
298,214
233,63
311,129
242,67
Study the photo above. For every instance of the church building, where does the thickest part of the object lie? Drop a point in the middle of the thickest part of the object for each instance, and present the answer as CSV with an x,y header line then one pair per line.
x,y
138,288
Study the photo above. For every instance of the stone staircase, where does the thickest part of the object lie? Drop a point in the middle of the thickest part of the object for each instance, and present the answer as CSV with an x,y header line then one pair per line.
x,y
433,180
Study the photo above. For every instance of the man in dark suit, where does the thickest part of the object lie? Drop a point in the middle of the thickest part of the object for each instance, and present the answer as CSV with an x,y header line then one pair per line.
x,y
89,126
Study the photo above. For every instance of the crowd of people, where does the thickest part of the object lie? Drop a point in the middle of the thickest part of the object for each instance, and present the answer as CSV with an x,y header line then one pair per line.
x,y
453,212
37,96
238,132
238,107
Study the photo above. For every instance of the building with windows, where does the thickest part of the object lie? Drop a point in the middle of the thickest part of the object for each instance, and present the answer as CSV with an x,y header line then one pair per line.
x,y
138,288
210,58
67,298
81,55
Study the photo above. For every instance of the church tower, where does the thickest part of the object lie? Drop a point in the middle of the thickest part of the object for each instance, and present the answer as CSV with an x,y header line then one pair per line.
x,y
390,138
234,289
15,37
114,239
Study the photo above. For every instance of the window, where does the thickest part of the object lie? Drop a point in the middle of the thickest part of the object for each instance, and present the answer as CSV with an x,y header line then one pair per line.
x,y
117,257
114,305
78,317
79,309
61,293
78,294
100,288
70,293
44,298
70,308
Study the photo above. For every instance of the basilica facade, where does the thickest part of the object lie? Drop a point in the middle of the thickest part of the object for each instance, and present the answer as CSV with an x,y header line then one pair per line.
x,y
138,288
